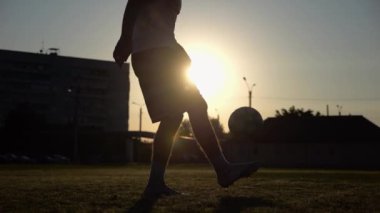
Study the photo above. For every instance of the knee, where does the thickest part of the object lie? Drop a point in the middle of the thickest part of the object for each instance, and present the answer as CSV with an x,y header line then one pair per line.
x,y
176,118
198,106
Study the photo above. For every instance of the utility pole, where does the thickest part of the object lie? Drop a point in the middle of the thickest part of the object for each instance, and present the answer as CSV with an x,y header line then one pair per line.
x,y
75,119
140,119
340,107
217,114
249,91
327,110
140,116
135,143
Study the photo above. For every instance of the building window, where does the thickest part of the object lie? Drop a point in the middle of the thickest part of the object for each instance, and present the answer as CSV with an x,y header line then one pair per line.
x,y
99,73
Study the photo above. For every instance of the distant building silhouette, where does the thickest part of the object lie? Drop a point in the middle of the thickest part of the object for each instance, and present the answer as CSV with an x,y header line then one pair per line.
x,y
321,129
95,92
323,141
51,104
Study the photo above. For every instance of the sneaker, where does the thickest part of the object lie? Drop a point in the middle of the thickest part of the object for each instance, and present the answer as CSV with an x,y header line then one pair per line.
x,y
235,172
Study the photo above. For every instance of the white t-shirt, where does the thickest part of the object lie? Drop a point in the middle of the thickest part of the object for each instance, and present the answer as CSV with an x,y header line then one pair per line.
x,y
154,26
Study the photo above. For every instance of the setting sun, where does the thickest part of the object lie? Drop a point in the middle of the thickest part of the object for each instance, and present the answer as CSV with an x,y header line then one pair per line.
x,y
208,71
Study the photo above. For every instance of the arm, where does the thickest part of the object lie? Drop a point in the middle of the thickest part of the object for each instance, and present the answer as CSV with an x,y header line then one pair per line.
x,y
124,45
130,15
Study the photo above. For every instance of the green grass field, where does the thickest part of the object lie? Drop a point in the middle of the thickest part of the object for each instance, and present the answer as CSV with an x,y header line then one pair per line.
x,y
117,189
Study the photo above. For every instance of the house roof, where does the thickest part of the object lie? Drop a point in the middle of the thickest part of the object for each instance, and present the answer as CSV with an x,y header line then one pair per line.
x,y
321,129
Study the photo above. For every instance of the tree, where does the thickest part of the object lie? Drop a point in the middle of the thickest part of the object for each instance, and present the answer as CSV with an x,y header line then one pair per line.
x,y
218,127
294,112
186,130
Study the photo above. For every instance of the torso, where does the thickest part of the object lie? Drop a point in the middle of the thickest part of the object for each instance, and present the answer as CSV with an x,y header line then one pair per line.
x,y
155,25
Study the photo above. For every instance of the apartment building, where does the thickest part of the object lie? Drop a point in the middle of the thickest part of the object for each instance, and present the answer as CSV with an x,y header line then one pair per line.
x,y
65,90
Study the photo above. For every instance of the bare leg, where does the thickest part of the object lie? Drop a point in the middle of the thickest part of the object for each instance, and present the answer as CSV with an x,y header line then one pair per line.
x,y
162,146
206,137
227,173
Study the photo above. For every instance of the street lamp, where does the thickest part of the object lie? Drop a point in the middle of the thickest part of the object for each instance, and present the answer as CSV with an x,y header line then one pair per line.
x,y
217,114
75,92
249,91
140,115
135,146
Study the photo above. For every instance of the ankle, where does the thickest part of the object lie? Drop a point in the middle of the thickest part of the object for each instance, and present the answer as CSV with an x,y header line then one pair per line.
x,y
156,183
222,169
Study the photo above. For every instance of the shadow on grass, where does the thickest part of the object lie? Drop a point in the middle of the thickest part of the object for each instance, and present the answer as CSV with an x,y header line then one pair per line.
x,y
142,205
238,204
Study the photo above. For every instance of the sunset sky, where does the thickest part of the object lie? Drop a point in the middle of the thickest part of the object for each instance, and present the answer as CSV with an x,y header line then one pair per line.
x,y
307,53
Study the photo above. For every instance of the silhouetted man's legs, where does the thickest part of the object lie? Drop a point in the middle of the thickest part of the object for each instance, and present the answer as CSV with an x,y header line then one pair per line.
x,y
227,173
206,138
162,146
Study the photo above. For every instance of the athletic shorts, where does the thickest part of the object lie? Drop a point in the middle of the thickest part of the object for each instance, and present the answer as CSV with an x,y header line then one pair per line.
x,y
162,74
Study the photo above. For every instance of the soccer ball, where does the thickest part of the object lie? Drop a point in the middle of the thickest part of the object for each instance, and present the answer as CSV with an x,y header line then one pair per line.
x,y
244,121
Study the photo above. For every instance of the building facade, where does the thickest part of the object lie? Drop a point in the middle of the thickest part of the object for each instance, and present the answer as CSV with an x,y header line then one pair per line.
x,y
350,142
65,90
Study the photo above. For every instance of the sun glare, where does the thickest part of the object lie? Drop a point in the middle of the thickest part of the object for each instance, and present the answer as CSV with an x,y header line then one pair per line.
x,y
208,71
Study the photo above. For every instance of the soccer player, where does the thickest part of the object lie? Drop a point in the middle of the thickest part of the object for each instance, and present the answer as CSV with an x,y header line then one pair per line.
x,y
160,64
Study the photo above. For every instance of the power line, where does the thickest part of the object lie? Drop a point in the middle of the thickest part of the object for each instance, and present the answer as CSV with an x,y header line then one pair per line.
x,y
318,99
375,99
